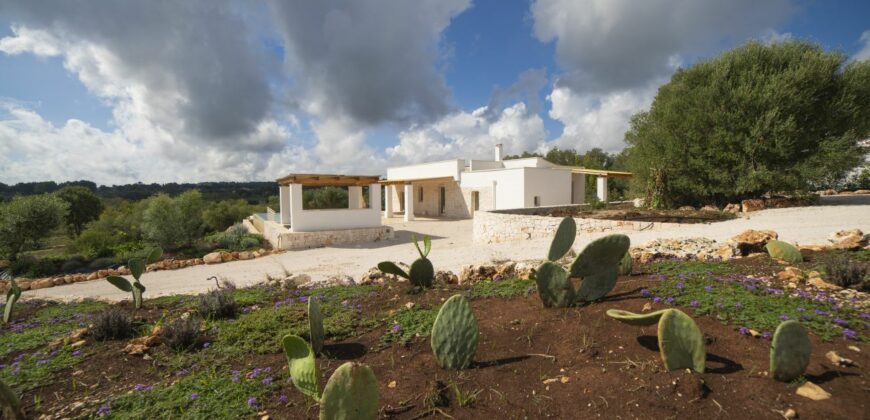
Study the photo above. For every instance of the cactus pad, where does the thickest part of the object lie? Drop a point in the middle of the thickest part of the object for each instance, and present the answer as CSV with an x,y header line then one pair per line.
x,y
554,287
11,297
422,273
600,254
303,367
454,334
784,251
350,394
10,406
789,351
625,265
391,268
154,254
598,285
120,283
137,267
632,318
315,325
681,343
563,240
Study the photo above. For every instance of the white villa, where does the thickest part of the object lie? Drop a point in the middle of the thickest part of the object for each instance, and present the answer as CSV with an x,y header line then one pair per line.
x,y
457,188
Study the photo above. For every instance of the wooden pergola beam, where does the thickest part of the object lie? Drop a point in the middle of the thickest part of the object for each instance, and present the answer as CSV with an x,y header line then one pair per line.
x,y
329,180
413,180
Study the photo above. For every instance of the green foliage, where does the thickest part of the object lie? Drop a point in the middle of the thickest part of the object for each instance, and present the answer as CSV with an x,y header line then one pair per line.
x,y
10,406
217,304
255,332
784,251
681,343
593,159
842,271
455,334
625,265
12,296
113,324
785,116
137,268
563,239
32,267
315,325
26,221
350,394
408,324
84,207
38,369
554,286
182,334
118,227
789,351
421,273
223,214
236,238
315,198
173,222
303,367
507,288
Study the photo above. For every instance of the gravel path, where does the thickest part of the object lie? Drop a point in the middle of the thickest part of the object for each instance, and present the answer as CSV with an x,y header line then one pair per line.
x,y
452,248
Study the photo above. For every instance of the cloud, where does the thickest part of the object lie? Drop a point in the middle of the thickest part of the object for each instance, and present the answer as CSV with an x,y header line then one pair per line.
x,y
864,52
371,61
470,135
609,45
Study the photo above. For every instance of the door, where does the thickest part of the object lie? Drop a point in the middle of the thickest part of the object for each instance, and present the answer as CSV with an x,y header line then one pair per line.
x,y
475,201
442,204
401,201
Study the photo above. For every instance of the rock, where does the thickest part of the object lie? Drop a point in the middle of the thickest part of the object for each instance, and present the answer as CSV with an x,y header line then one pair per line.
x,y
854,348
525,269
849,239
815,279
710,208
788,414
839,360
4,264
78,344
212,258
752,204
446,277
790,274
732,208
646,307
226,256
334,280
295,280
24,284
57,281
135,349
862,192
78,333
686,208
813,392
638,202
246,255
41,284
68,279
80,278
828,192
102,273
753,240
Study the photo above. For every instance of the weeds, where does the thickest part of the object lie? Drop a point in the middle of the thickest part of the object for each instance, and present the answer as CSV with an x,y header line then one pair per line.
x,y
464,398
182,334
844,272
217,304
504,288
408,324
113,324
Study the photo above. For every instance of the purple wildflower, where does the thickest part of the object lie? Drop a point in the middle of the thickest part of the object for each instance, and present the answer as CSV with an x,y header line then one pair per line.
x,y
841,322
784,317
645,293
738,305
693,303
283,398
396,328
850,334
800,309
669,300
657,299
743,330
708,288
680,285
76,352
142,388
252,402
194,396
865,315
206,345
766,335
303,299
267,381
820,312
103,410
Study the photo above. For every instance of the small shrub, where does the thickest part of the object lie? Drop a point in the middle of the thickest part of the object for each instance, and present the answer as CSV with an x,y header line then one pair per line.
x,y
844,273
182,334
112,325
102,263
72,265
217,304
32,267
236,238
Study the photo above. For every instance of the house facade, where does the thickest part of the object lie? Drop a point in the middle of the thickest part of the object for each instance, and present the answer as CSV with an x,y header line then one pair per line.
x,y
457,188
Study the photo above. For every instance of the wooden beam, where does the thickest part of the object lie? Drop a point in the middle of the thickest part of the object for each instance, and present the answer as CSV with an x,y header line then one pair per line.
x,y
327,180
413,180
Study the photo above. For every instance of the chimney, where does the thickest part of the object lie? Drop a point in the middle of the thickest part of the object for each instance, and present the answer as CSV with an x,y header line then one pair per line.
x,y
498,152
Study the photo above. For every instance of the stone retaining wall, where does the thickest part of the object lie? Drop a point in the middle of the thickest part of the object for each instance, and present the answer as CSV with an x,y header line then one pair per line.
x,y
304,240
509,225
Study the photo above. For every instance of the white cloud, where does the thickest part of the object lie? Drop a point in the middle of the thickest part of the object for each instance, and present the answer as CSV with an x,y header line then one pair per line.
x,y
471,135
864,52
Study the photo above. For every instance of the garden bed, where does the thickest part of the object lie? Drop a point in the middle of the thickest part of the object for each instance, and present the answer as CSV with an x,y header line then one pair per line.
x,y
626,212
531,362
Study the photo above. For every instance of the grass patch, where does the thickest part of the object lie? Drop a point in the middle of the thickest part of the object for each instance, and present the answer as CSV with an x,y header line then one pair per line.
x,y
27,336
173,301
252,296
261,331
200,395
29,371
503,289
746,302
675,268
408,324
70,310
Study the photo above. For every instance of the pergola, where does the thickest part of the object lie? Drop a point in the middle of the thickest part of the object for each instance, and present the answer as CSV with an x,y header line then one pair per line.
x,y
357,215
601,180
391,184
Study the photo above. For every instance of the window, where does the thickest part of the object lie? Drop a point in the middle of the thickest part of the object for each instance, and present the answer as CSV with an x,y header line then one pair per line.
x,y
475,200
420,195
537,201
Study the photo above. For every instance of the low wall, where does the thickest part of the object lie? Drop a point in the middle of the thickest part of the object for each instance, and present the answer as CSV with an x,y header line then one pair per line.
x,y
522,224
305,240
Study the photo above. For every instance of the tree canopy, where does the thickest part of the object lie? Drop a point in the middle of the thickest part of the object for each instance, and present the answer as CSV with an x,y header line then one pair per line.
x,y
761,118
84,207
25,221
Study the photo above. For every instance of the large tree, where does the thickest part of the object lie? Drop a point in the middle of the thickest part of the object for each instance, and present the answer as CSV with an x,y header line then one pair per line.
x,y
84,207
779,117
26,221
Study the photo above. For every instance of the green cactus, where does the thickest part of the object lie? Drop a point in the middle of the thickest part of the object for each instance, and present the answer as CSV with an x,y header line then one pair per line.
x,y
454,334
303,367
681,343
421,273
784,251
137,267
554,286
12,296
350,394
315,325
632,318
625,265
563,240
9,403
600,254
789,351
596,286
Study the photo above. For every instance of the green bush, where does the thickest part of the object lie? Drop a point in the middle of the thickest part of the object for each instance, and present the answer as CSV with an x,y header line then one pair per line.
x,y
117,225
32,267
223,214
217,304
173,223
113,324
103,263
182,334
84,207
26,221
236,238
844,273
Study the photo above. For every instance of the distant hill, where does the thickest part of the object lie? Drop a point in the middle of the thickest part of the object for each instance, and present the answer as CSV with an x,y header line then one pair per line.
x,y
253,192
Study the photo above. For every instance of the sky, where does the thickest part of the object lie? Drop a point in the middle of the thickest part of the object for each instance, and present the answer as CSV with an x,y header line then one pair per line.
x,y
230,90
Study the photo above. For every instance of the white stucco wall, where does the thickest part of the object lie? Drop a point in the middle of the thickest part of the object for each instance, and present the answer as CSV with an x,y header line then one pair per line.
x,y
333,219
552,186
444,168
509,184
533,162
479,165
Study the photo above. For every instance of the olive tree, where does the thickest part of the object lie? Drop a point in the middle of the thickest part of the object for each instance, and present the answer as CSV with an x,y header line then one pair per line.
x,y
26,220
84,207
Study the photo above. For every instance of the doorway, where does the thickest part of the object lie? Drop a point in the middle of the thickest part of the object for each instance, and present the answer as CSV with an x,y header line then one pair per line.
x,y
442,205
475,201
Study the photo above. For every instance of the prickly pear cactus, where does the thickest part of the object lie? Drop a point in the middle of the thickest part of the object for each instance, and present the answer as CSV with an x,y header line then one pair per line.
x,y
563,240
784,251
422,273
10,406
303,367
350,394
789,351
632,318
596,286
625,265
681,343
12,296
454,334
315,325
391,268
599,255
554,287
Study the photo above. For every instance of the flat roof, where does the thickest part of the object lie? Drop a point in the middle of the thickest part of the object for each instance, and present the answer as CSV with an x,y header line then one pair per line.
x,y
329,180
410,180
598,172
